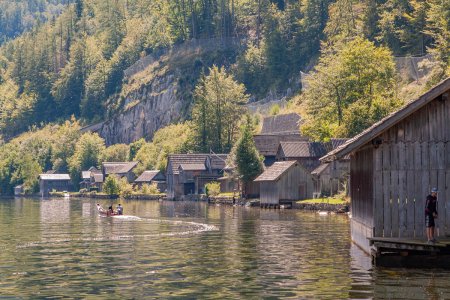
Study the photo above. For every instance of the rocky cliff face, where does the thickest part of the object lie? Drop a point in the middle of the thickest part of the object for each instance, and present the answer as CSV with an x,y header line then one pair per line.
x,y
148,108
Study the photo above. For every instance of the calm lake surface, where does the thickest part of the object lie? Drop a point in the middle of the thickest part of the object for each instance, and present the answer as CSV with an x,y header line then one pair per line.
x,y
62,248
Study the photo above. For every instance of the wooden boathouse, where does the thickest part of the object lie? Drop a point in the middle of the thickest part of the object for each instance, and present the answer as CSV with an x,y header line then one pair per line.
x,y
283,183
393,166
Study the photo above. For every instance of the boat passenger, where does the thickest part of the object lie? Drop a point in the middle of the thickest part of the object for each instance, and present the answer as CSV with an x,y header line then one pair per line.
x,y
110,211
119,209
100,208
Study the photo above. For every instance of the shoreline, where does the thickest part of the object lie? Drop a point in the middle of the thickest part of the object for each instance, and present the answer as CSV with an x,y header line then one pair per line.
x,y
221,200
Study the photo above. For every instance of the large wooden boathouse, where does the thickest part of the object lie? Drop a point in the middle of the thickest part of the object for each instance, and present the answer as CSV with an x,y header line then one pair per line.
x,y
393,166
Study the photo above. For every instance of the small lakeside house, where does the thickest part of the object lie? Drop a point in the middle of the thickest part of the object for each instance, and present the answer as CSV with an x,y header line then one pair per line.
x,y
150,177
120,169
86,178
308,154
187,174
54,182
284,182
276,129
393,166
331,178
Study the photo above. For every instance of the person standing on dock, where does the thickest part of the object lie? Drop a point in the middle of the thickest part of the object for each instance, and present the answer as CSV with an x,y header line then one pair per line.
x,y
431,214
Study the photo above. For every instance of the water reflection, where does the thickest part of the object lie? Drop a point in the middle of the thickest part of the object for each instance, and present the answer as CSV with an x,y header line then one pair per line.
x,y
62,248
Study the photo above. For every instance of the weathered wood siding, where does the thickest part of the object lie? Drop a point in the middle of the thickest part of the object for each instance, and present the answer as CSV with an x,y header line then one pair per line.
x,y
269,192
361,172
413,157
295,184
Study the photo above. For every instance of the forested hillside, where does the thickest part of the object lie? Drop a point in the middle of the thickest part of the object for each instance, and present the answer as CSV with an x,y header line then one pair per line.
x,y
18,16
206,58
72,64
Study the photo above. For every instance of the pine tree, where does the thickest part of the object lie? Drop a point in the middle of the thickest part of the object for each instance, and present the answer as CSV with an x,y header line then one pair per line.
x,y
247,159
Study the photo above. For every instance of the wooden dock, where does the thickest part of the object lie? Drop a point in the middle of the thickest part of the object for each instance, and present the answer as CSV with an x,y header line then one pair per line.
x,y
410,253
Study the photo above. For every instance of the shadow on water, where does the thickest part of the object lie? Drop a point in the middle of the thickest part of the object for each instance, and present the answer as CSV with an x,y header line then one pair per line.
x,y
62,248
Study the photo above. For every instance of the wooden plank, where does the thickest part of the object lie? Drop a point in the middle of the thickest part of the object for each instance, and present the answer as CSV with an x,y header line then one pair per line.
x,y
378,193
402,189
447,201
440,224
394,203
386,203
418,208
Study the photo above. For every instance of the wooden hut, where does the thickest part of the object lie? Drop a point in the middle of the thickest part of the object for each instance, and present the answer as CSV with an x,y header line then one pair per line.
x,y
284,182
54,182
306,153
188,174
152,177
277,129
393,166
120,169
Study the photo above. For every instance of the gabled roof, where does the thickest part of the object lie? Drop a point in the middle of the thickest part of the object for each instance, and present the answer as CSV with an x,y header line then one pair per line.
x,y
192,167
148,176
267,144
287,123
275,171
118,167
175,160
320,169
217,161
54,176
389,121
301,149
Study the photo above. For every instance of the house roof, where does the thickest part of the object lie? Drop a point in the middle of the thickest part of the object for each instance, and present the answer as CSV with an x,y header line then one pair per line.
x,y
389,121
287,123
320,169
118,167
86,175
192,167
275,171
54,176
175,160
148,176
217,161
98,177
302,149
267,144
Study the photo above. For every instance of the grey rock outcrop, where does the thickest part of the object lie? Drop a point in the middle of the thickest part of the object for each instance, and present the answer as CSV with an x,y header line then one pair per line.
x,y
150,107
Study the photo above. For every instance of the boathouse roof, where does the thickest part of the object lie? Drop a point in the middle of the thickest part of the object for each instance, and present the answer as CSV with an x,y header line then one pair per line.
x,y
148,176
196,161
193,167
54,176
320,169
301,149
389,121
287,123
118,167
274,172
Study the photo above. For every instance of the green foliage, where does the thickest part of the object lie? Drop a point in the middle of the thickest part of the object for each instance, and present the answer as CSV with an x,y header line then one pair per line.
x,y
212,189
219,101
176,138
246,157
111,186
274,110
149,189
350,90
135,147
125,189
87,153
116,153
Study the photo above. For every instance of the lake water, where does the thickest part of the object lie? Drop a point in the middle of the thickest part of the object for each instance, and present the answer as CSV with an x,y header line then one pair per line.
x,y
62,248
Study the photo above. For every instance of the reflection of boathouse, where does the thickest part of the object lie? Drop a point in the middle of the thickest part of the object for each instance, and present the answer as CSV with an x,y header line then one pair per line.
x,y
393,166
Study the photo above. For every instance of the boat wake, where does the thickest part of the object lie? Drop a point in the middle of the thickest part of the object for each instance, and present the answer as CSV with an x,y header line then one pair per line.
x,y
193,228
